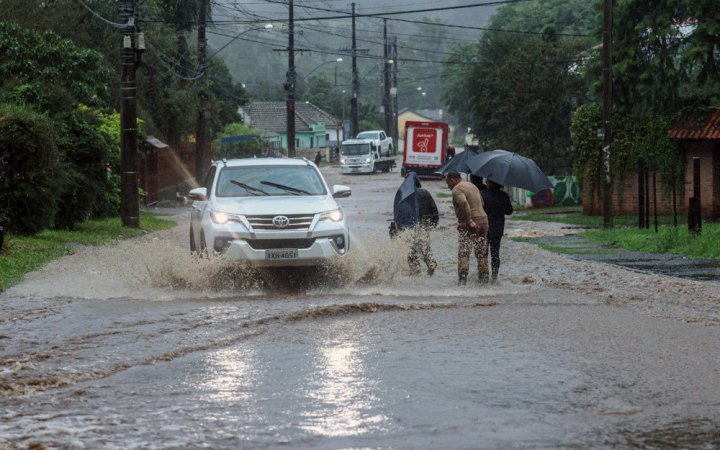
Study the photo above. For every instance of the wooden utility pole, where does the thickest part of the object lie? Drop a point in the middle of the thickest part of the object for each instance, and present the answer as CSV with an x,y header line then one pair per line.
x,y
387,109
354,123
129,198
290,84
607,113
396,131
201,138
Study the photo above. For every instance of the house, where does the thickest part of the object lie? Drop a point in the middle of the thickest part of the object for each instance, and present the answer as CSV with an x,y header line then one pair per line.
x,y
698,136
313,126
420,115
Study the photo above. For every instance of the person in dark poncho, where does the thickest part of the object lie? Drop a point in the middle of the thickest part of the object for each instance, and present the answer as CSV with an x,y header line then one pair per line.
x,y
414,209
497,205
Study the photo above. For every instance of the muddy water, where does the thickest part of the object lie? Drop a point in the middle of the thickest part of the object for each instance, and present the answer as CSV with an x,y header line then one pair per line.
x,y
138,345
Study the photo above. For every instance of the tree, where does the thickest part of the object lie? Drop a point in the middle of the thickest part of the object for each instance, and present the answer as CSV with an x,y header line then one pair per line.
x,y
30,170
240,149
320,92
517,91
44,72
666,56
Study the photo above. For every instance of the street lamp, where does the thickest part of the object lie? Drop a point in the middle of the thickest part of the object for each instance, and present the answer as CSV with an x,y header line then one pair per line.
x,y
266,27
322,64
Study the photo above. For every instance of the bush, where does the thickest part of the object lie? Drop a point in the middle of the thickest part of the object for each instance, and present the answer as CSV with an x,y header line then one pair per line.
x,y
85,154
30,170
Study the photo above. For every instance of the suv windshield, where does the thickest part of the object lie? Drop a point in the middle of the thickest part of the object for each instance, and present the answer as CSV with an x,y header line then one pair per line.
x,y
369,135
355,149
252,181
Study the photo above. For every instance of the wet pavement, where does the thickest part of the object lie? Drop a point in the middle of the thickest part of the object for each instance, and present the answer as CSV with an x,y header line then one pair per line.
x,y
657,263
138,345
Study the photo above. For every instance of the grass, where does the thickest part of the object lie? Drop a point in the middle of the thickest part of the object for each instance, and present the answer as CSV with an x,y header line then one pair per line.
x,y
573,215
23,254
668,239
625,233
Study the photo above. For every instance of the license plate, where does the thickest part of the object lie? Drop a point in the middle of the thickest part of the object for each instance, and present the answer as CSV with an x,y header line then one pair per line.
x,y
281,253
354,170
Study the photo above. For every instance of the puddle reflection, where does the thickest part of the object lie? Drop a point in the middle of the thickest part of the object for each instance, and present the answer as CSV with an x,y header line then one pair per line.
x,y
343,392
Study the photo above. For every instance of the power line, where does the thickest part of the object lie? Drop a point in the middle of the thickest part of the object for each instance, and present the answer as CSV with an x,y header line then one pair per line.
x,y
109,22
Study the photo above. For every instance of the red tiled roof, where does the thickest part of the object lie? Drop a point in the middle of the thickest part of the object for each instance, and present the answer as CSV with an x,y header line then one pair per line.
x,y
697,126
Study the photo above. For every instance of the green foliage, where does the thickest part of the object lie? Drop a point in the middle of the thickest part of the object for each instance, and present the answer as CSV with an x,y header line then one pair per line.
x,y
519,91
666,56
633,137
31,172
38,61
23,254
668,239
87,152
369,125
242,149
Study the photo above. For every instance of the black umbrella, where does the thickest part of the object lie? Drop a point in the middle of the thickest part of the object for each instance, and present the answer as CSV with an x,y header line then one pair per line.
x,y
509,169
458,162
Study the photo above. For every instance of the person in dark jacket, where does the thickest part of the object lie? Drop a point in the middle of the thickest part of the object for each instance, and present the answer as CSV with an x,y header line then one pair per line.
x,y
318,158
419,225
497,205
429,218
478,182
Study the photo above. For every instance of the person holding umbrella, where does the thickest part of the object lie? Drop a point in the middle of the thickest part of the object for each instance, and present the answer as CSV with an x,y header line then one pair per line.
x,y
472,226
415,210
497,205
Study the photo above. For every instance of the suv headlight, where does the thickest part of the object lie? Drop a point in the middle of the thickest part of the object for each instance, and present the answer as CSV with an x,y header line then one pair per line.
x,y
222,218
367,160
343,161
335,215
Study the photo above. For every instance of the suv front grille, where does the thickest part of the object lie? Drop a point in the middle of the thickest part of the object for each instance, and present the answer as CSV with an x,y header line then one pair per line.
x,y
265,222
264,244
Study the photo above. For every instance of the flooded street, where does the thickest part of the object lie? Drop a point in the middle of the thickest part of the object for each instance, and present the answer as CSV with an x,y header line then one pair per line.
x,y
139,345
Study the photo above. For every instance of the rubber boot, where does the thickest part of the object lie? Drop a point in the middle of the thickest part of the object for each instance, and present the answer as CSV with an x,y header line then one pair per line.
x,y
431,268
462,277
483,275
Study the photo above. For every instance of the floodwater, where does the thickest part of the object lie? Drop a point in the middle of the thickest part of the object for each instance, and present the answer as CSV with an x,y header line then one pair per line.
x,y
138,345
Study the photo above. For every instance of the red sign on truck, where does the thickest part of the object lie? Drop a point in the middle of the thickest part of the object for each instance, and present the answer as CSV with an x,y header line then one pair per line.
x,y
425,146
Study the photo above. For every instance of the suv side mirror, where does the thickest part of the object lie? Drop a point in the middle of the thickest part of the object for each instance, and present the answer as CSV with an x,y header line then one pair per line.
x,y
199,194
340,191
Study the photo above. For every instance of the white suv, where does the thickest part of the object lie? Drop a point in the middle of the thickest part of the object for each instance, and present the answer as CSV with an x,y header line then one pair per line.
x,y
270,212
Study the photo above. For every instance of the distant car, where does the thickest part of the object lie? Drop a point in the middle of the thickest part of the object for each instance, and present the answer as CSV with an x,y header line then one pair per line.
x,y
269,212
381,141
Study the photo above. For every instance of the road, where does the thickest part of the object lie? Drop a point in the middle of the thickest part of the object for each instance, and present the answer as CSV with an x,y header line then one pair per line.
x,y
138,345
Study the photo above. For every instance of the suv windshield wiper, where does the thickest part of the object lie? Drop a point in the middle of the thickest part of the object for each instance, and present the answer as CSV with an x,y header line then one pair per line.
x,y
293,190
248,188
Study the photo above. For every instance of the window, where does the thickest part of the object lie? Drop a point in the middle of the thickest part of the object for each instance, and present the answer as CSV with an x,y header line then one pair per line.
x,y
209,179
250,181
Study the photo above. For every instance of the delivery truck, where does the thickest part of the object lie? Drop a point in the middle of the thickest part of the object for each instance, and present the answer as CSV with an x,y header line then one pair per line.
x,y
426,147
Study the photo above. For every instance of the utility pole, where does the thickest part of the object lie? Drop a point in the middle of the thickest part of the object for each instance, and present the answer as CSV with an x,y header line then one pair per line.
x,y
201,125
607,114
387,110
290,84
129,199
354,126
395,129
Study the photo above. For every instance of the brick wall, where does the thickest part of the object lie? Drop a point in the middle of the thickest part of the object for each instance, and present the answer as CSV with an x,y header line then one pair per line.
x,y
625,189
625,196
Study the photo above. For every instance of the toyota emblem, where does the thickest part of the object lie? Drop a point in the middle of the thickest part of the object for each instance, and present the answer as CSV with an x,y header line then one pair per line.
x,y
281,221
